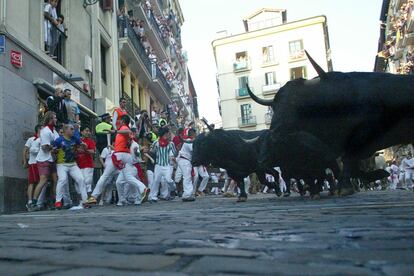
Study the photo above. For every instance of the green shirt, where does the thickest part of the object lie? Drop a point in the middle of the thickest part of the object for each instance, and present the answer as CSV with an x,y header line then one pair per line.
x,y
103,127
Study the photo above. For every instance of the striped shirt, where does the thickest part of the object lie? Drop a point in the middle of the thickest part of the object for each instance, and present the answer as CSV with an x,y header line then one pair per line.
x,y
163,154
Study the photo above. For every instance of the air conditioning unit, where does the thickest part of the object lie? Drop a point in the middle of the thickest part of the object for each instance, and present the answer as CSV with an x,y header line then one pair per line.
x,y
88,64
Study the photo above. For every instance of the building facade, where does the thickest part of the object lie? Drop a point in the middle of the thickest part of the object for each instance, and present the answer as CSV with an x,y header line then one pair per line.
x,y
267,55
396,50
153,66
84,58
96,53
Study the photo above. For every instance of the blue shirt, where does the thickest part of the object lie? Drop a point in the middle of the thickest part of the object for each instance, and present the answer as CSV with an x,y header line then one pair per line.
x,y
66,149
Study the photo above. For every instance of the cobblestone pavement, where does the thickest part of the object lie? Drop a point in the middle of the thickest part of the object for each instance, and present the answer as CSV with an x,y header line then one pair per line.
x,y
370,233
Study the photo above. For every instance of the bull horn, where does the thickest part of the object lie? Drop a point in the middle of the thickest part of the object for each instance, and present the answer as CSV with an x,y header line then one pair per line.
x,y
251,141
318,69
257,99
207,124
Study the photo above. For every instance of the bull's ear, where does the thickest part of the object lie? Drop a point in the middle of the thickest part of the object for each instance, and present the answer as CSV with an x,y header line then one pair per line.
x,y
318,69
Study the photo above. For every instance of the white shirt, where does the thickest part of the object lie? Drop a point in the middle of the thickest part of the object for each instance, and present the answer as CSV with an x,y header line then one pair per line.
x,y
186,151
47,24
106,155
46,138
135,158
34,147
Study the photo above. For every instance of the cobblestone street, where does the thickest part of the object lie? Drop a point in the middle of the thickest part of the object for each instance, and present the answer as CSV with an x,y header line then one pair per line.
x,y
368,233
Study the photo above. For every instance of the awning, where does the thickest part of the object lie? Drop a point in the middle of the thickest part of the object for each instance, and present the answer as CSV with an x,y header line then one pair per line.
x,y
50,90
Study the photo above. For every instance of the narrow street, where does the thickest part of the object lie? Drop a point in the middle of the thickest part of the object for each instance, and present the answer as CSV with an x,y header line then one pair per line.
x,y
370,233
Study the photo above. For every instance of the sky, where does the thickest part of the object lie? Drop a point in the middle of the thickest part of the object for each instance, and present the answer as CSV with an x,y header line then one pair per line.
x,y
353,27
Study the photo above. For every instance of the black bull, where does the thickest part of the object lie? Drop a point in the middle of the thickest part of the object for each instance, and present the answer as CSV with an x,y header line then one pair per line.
x,y
226,149
343,115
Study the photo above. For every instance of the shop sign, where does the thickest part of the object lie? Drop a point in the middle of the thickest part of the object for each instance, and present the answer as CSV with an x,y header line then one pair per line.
x,y
16,59
2,44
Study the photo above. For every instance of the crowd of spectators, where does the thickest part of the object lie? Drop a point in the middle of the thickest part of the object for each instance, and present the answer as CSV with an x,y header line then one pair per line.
x,y
165,31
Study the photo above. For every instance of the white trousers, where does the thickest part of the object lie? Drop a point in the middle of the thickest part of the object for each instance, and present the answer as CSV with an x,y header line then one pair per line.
x,y
159,173
185,168
128,191
178,174
63,171
88,178
408,177
247,184
103,181
127,176
200,171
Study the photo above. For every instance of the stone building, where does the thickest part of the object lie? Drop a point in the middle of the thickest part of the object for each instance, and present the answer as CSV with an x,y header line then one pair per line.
x,y
268,54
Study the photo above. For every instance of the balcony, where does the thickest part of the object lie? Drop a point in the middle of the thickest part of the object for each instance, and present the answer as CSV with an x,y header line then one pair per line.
x,y
408,40
247,121
134,53
271,88
398,4
297,56
410,22
241,65
241,93
55,44
129,104
152,31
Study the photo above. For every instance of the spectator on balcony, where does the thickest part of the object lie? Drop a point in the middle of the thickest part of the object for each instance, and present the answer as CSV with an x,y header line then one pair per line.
x,y
118,113
148,7
145,44
50,23
57,104
141,30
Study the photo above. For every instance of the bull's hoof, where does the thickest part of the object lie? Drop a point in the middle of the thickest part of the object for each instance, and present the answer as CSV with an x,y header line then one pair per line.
x,y
242,199
278,193
346,191
315,197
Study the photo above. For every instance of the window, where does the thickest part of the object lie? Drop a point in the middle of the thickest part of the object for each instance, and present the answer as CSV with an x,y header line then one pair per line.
x,y
298,72
296,49
242,91
243,81
246,112
241,61
268,54
103,63
270,78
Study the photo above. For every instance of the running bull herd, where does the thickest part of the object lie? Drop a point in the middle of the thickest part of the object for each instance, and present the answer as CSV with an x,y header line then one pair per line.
x,y
336,120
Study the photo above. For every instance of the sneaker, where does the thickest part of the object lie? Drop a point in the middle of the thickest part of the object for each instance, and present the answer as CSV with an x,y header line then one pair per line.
x,y
188,199
58,205
144,196
152,201
86,206
198,193
120,204
137,202
91,200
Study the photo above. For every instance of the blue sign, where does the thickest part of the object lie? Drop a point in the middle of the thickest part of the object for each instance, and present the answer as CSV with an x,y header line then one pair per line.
x,y
2,44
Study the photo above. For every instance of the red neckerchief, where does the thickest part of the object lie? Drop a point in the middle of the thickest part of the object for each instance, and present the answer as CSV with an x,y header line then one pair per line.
x,y
35,137
51,127
163,142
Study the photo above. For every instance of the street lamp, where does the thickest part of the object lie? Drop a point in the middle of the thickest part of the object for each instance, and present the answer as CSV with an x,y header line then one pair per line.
x,y
89,2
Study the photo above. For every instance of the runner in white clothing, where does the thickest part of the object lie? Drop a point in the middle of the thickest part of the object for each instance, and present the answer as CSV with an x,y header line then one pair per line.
x,y
184,163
